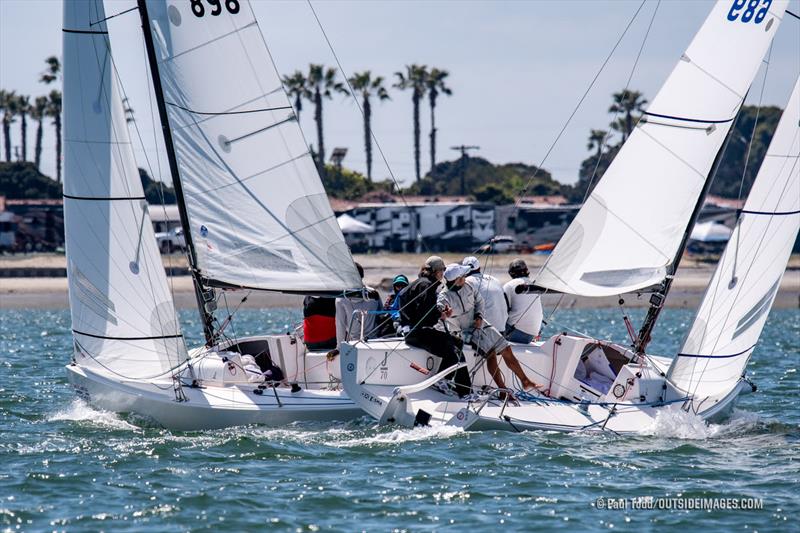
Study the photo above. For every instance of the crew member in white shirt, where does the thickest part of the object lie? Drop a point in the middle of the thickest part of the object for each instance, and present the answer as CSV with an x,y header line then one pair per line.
x,y
524,309
495,311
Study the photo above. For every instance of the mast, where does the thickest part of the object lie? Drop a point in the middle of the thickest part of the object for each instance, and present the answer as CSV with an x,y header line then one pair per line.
x,y
205,316
657,299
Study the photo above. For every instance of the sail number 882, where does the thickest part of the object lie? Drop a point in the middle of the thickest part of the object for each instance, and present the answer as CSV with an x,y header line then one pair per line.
x,y
199,9
748,9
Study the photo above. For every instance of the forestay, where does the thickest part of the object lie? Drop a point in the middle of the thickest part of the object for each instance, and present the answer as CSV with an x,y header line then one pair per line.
x,y
740,295
123,317
628,231
257,210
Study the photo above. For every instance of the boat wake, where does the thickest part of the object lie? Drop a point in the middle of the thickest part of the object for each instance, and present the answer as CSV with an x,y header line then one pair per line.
x,y
398,436
80,411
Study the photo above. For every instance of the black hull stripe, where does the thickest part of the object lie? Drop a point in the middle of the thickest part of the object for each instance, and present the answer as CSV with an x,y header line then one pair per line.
x,y
771,213
90,32
178,336
697,356
103,198
688,119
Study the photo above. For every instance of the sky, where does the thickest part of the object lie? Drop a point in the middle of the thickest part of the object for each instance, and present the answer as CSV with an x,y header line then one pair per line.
x,y
517,70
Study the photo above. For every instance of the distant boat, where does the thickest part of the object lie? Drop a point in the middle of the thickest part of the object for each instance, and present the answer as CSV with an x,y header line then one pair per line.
x,y
254,216
628,237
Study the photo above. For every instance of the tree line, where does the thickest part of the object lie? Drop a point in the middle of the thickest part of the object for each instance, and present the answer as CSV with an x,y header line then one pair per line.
x,y
321,83
21,106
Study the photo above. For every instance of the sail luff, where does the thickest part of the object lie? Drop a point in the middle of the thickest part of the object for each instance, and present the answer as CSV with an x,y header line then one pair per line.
x,y
627,233
205,317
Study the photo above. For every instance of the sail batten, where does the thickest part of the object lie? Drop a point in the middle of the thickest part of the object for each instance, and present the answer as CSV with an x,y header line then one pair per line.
x,y
748,277
256,208
628,232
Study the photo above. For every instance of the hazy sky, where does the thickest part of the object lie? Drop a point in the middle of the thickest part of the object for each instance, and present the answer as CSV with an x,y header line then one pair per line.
x,y
517,69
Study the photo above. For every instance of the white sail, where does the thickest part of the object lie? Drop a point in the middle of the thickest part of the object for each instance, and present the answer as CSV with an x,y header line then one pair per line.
x,y
740,295
123,318
629,229
258,212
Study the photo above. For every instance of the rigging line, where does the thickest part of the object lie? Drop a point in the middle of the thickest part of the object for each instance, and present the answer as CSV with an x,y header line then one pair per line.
x,y
627,87
792,14
747,156
134,8
361,110
577,106
260,110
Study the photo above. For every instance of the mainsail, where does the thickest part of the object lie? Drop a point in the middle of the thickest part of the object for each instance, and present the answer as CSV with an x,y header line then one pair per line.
x,y
258,213
123,318
629,229
740,294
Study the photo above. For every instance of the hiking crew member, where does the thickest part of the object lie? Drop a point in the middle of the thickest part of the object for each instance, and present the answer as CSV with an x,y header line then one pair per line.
x,y
524,309
462,306
419,315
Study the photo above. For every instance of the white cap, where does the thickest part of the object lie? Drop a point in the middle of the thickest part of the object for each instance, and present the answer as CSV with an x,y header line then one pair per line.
x,y
455,271
472,262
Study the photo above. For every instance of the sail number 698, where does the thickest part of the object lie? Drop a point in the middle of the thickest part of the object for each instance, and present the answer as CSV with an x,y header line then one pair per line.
x,y
749,7
216,7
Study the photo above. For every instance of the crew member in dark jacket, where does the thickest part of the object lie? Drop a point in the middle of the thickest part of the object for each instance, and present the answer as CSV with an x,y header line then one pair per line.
x,y
419,315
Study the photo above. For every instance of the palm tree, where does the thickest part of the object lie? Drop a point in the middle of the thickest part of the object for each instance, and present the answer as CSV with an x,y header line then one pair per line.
x,y
54,111
52,72
296,87
626,102
38,113
414,79
436,85
597,139
9,105
367,86
24,109
321,84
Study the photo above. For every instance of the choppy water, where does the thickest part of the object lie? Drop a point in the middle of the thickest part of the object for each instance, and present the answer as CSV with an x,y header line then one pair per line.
x,y
66,466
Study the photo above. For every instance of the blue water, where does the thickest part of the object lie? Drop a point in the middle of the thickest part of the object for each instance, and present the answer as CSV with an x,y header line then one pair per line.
x,y
66,466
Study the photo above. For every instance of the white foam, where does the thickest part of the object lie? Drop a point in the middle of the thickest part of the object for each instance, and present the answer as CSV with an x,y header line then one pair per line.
x,y
80,411
674,422
399,436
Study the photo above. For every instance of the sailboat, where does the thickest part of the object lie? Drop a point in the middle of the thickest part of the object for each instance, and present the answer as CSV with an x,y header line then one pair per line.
x,y
253,210
644,209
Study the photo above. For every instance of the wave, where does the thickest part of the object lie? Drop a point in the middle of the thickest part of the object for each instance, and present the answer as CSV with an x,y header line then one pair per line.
x,y
674,422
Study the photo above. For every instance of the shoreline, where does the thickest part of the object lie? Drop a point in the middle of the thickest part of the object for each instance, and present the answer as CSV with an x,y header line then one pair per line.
x,y
688,287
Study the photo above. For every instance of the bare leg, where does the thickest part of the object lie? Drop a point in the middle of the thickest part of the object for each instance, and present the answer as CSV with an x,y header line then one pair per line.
x,y
494,370
513,363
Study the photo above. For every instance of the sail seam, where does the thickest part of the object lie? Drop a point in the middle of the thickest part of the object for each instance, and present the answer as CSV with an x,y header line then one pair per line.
x,y
247,178
155,337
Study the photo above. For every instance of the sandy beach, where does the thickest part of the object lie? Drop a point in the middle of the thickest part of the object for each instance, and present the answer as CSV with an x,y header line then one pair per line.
x,y
51,293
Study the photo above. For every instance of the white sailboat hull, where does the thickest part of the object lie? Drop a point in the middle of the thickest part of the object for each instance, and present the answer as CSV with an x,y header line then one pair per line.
x,y
571,406
222,395
210,407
